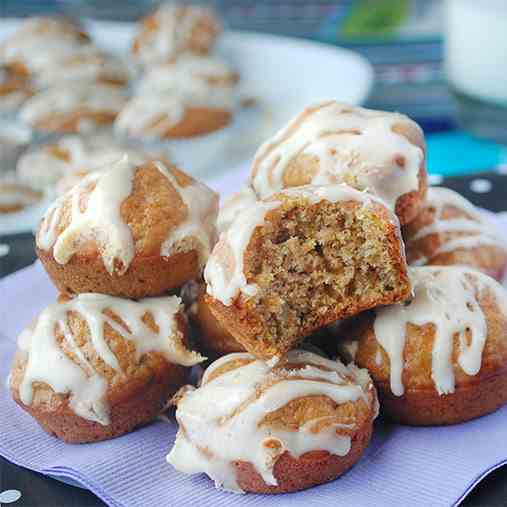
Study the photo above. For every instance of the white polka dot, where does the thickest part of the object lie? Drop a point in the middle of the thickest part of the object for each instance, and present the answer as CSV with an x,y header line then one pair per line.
x,y
435,179
481,186
10,496
4,250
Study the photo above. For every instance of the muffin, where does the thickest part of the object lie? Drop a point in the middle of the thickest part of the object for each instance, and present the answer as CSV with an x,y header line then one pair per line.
x,y
173,30
14,90
234,205
301,260
129,231
71,157
192,97
274,427
441,357
39,40
330,142
14,196
450,230
96,367
73,107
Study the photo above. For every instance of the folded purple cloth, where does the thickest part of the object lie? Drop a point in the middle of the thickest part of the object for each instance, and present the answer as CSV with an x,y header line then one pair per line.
x,y
403,466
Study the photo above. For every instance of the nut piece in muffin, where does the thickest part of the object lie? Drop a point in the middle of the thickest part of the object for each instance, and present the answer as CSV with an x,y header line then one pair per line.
x,y
451,230
331,142
96,367
173,30
129,231
274,427
191,97
301,260
440,358
73,108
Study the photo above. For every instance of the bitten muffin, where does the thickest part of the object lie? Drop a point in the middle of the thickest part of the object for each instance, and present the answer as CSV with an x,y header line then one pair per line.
x,y
274,428
450,230
40,40
73,108
301,260
191,97
331,142
440,358
130,230
96,367
173,30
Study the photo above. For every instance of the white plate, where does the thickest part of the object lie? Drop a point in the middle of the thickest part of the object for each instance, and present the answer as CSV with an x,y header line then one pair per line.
x,y
282,74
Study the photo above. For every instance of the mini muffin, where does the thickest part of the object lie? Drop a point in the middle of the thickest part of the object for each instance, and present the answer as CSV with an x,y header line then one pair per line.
x,y
14,90
39,40
15,196
210,336
71,157
274,427
189,98
85,63
73,108
130,230
96,367
173,30
234,205
440,358
377,151
301,260
450,230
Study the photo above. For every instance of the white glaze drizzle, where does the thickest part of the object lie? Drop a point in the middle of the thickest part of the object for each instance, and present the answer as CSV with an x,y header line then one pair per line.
x,y
225,279
353,145
220,421
202,209
72,98
101,221
175,30
47,363
233,205
478,231
446,298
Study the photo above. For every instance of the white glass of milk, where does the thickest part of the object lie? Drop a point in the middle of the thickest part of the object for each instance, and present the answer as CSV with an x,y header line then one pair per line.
x,y
476,64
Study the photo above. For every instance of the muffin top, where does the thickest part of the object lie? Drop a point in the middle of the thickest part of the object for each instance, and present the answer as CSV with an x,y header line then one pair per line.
x,y
451,330
332,142
131,211
254,411
86,347
173,30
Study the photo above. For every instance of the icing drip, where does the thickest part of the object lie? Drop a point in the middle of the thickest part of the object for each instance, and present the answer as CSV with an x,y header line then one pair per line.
x,y
47,363
173,35
476,229
448,298
353,145
234,205
199,226
72,98
220,422
224,270
101,221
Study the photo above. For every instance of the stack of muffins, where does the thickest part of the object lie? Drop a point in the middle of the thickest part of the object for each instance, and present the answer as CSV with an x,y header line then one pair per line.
x,y
311,254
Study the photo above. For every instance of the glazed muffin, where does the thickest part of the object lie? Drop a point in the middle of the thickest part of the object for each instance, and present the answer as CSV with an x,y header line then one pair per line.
x,y
173,30
129,231
301,260
71,158
234,205
440,358
73,108
450,230
14,90
189,98
14,196
377,151
96,367
40,40
274,428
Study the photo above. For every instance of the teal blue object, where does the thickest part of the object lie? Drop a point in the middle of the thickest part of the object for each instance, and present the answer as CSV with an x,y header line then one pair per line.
x,y
454,153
